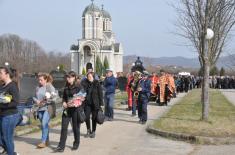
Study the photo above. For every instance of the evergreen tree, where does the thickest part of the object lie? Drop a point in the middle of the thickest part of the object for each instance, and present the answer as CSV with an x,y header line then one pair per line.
x,y
106,63
83,71
214,71
61,67
98,66
222,71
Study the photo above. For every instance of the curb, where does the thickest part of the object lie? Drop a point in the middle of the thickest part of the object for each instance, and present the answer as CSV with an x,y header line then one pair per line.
x,y
191,138
35,128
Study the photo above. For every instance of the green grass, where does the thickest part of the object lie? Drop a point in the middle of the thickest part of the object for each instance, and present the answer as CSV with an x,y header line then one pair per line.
x,y
185,116
121,96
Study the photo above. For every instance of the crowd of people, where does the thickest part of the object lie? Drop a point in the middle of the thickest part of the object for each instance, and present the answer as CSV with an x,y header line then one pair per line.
x,y
80,96
87,95
222,82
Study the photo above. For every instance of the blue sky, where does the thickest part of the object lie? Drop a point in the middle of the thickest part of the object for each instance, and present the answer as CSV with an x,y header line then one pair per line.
x,y
144,27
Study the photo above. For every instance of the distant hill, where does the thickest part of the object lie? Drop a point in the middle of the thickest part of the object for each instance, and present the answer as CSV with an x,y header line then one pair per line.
x,y
224,61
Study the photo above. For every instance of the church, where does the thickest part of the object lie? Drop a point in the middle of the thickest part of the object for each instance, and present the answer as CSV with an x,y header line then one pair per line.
x,y
98,40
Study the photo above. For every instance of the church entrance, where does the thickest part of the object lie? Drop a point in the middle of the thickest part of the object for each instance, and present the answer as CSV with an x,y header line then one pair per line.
x,y
88,66
88,57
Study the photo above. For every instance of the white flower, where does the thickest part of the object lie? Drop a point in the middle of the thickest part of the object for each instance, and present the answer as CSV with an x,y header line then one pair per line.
x,y
47,95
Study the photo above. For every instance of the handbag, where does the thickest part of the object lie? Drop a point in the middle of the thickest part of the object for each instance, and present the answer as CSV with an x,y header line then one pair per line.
x,y
81,115
52,109
100,116
35,114
51,105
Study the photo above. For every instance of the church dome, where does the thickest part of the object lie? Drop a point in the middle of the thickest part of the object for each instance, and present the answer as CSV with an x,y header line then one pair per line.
x,y
106,14
91,8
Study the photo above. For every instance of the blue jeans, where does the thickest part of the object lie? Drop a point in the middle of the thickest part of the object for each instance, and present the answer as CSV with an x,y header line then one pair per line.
x,y
109,102
7,127
44,118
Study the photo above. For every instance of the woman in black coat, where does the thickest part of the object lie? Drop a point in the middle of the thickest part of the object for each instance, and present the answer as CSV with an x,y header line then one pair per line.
x,y
9,115
93,102
70,113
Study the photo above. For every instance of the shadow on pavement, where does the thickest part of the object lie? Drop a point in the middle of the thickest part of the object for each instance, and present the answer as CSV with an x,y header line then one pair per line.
x,y
122,114
35,141
123,120
70,132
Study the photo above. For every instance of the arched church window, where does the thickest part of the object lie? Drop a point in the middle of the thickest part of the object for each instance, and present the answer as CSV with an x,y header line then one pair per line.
x,y
87,50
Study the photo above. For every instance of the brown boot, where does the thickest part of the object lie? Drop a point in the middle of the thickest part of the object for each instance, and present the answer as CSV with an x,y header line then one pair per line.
x,y
41,145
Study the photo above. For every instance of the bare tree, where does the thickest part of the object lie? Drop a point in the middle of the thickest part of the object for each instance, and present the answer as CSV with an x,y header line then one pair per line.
x,y
28,56
194,17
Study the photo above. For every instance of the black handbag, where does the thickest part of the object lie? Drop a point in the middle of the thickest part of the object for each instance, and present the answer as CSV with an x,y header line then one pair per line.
x,y
100,117
81,115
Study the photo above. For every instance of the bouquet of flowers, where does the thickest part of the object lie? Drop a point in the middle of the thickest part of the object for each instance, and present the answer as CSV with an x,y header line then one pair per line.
x,y
47,98
50,96
5,98
78,98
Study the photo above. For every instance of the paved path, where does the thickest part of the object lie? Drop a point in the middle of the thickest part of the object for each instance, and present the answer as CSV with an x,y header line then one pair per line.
x,y
229,94
123,136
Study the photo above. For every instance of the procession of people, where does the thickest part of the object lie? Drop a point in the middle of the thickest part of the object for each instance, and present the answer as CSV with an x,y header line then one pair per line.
x,y
86,96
